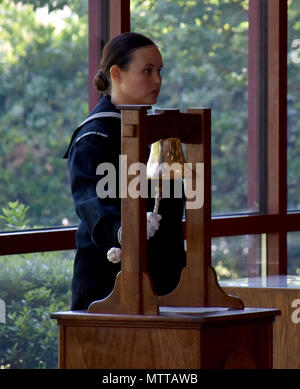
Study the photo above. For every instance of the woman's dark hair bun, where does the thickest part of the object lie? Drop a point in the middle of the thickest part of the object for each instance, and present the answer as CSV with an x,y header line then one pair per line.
x,y
101,81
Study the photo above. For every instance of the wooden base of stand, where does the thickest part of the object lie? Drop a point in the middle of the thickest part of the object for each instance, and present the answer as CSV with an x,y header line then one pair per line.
x,y
180,297
177,338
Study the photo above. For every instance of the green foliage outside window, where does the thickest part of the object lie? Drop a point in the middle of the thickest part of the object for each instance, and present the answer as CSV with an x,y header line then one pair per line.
x,y
205,52
43,96
32,287
293,98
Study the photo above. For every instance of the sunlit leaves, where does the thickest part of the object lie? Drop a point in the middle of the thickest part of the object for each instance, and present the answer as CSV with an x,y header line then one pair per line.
x,y
43,96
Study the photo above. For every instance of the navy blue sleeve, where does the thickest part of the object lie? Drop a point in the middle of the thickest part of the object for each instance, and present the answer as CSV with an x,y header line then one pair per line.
x,y
102,217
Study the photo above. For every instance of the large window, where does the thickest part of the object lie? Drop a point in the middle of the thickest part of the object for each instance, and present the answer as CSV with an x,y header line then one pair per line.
x,y
205,52
43,96
231,55
293,110
293,105
204,45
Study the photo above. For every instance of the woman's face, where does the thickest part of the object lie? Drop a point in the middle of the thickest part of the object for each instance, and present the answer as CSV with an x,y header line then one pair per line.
x,y
140,83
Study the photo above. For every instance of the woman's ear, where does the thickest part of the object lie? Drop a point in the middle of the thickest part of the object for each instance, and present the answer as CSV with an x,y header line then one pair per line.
x,y
115,73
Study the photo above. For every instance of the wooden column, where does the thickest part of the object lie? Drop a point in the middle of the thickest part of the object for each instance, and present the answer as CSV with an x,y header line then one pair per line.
x,y
119,11
257,119
277,131
107,18
94,48
137,295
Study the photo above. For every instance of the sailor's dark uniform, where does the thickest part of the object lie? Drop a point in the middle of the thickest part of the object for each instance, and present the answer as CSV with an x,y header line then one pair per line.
x,y
98,140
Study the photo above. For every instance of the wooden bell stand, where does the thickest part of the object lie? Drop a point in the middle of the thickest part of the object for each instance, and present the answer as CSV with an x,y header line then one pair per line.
x,y
197,325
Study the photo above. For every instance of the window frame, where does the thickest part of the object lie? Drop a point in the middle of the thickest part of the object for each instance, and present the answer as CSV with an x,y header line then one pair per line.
x,y
109,18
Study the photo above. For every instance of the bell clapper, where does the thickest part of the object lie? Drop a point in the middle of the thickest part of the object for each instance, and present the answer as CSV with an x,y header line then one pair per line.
x,y
158,193
157,201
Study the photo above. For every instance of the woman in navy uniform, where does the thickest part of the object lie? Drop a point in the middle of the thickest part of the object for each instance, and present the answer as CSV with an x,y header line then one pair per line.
x,y
129,73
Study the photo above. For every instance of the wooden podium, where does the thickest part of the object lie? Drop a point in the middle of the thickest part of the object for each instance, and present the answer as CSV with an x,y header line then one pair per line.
x,y
197,325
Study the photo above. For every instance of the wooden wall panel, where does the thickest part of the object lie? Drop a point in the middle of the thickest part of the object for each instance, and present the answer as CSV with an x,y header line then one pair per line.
x,y
286,334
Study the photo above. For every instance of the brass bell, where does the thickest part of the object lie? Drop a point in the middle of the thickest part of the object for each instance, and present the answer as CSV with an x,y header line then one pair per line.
x,y
166,161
